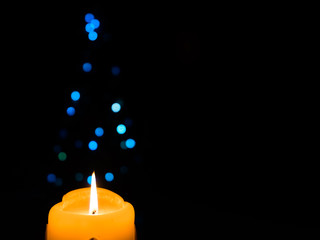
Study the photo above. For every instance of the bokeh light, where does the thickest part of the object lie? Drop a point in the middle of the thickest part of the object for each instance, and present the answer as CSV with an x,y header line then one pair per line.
x,y
62,156
89,179
71,111
90,27
79,176
59,182
121,129
116,107
115,71
75,95
99,132
93,145
95,23
87,67
109,177
130,143
51,178
78,144
92,36
88,17
123,145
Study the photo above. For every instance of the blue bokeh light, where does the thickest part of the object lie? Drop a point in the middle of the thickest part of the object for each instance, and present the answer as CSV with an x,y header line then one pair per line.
x,y
116,107
71,111
87,67
78,176
90,27
89,179
51,178
109,177
93,145
88,17
121,129
99,131
123,145
115,70
130,143
95,23
92,36
75,95
78,143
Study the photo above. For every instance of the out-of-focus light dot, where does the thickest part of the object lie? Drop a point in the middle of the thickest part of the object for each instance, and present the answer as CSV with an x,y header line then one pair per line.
x,y
57,148
87,67
124,170
75,95
116,107
88,17
71,111
89,179
123,145
99,131
62,156
115,71
90,27
59,182
78,176
121,129
130,143
78,144
109,177
51,178
95,23
93,145
63,133
92,36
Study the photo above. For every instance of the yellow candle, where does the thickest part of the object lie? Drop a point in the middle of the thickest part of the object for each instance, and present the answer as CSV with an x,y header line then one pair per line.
x,y
91,213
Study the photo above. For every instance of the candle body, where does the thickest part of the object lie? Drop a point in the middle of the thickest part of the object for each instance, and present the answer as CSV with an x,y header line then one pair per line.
x,y
70,219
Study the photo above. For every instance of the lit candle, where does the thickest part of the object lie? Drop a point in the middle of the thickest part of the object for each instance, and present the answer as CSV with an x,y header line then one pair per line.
x,y
91,214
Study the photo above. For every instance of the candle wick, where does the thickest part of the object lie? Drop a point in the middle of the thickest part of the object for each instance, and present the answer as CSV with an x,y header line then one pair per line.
x,y
94,212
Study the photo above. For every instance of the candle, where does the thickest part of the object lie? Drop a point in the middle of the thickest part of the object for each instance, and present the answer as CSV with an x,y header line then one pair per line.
x,y
91,214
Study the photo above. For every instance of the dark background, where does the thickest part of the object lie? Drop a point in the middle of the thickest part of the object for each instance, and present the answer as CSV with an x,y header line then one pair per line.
x,y
223,119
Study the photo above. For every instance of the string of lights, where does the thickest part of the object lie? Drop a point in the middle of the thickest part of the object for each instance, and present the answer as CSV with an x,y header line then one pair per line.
x,y
92,139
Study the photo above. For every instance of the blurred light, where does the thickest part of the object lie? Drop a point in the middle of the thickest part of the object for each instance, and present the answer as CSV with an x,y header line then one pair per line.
x,y
93,145
123,145
59,182
124,170
128,122
95,23
51,178
121,129
57,148
75,95
130,143
78,144
87,67
89,179
71,111
90,27
115,71
99,131
79,177
62,156
92,36
109,177
63,133
88,17
116,107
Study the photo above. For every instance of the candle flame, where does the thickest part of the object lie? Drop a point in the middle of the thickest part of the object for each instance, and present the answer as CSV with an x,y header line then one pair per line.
x,y
93,208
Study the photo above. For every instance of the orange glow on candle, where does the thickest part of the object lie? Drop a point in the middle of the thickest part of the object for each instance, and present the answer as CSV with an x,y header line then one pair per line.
x,y
93,208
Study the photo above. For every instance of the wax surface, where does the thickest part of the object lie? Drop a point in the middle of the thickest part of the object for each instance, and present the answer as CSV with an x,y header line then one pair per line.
x,y
70,220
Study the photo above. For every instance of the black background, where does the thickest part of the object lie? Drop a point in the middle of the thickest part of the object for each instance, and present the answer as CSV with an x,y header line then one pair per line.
x,y
223,117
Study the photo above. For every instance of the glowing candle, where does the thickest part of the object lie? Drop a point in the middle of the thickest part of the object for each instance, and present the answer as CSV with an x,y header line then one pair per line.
x,y
91,214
